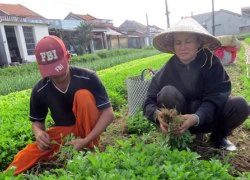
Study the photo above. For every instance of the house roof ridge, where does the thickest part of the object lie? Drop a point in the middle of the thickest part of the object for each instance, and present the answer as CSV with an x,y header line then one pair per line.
x,y
216,12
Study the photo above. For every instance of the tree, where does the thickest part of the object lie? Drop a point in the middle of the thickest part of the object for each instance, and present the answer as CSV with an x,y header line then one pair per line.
x,y
68,37
84,37
78,39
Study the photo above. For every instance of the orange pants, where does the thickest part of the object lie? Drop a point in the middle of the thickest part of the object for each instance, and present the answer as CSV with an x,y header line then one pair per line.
x,y
86,113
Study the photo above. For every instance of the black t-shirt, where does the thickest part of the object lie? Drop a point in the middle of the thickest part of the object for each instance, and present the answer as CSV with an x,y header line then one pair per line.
x,y
46,96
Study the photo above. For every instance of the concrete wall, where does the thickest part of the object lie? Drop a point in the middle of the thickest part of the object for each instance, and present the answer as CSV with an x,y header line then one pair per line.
x,y
245,25
225,24
245,29
136,42
124,42
114,42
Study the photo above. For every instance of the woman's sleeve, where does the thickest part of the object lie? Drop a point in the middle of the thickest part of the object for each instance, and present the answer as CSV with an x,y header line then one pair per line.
x,y
217,88
150,104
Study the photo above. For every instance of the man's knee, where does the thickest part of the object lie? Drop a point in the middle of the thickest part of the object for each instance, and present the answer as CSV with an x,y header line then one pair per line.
x,y
83,92
84,98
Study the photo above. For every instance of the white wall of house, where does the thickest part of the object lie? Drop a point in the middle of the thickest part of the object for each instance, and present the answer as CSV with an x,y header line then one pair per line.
x,y
39,31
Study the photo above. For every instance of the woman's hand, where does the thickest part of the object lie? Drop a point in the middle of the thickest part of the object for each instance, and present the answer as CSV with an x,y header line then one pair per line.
x,y
163,126
189,121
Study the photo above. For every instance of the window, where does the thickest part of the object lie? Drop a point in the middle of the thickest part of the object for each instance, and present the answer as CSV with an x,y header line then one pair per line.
x,y
29,39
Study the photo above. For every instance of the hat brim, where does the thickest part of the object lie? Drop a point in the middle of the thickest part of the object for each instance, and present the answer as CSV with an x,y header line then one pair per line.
x,y
54,69
164,41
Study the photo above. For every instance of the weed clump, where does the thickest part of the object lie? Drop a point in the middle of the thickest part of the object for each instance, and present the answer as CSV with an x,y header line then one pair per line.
x,y
174,121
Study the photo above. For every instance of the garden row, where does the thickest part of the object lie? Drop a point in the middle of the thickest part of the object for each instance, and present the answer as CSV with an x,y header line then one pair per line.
x,y
25,76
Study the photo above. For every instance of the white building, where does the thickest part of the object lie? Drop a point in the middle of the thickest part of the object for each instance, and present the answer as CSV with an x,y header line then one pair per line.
x,y
20,30
18,39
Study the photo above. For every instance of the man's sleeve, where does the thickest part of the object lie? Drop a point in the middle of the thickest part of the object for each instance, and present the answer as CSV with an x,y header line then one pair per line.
x,y
38,108
99,92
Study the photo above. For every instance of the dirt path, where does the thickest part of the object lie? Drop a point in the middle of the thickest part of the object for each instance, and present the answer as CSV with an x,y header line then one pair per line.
x,y
247,57
247,49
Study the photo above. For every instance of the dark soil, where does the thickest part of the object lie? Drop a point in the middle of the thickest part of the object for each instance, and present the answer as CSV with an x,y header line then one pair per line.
x,y
239,160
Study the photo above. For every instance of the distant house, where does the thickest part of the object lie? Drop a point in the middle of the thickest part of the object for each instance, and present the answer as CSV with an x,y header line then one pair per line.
x,y
139,35
226,22
105,35
245,11
20,30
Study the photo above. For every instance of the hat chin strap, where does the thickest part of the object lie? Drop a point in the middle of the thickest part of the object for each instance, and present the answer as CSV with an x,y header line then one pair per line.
x,y
211,59
202,48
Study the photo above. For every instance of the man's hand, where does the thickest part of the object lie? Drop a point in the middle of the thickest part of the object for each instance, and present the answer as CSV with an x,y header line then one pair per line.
x,y
43,140
189,121
42,137
78,144
106,117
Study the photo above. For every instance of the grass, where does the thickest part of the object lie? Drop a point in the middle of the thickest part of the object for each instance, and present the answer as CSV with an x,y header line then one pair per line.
x,y
247,40
243,36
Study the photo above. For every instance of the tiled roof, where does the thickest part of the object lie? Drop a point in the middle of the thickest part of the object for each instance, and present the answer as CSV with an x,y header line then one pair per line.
x,y
18,10
96,22
133,26
86,17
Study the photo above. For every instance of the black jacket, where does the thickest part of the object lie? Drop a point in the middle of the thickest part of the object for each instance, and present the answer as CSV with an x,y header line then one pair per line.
x,y
198,80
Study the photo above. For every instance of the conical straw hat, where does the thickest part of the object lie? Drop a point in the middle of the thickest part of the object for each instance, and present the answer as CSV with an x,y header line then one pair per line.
x,y
164,41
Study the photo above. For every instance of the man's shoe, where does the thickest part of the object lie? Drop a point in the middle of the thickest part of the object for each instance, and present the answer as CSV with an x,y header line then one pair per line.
x,y
225,144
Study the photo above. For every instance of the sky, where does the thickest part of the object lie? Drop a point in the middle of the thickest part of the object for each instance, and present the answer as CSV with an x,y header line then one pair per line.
x,y
137,10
